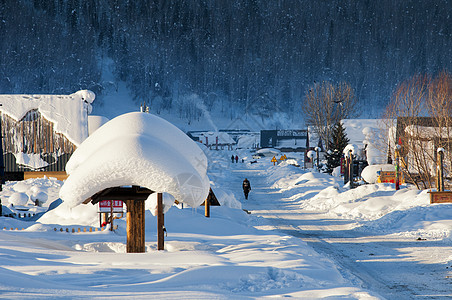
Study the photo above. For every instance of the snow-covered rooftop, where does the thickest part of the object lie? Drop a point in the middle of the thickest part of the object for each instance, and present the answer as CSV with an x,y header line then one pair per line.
x,y
69,113
223,137
137,149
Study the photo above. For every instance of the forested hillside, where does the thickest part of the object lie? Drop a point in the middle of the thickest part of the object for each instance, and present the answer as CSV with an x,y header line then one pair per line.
x,y
245,54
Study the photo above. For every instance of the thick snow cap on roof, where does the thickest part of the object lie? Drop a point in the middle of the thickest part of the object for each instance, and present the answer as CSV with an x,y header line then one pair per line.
x,y
67,112
137,149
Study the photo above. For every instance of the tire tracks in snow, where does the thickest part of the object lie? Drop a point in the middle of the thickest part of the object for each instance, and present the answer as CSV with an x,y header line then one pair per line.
x,y
373,262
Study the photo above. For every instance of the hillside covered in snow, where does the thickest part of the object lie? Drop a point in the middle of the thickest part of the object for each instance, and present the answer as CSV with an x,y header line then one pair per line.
x,y
235,57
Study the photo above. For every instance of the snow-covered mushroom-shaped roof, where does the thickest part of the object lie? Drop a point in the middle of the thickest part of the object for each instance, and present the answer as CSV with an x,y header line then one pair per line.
x,y
137,149
69,113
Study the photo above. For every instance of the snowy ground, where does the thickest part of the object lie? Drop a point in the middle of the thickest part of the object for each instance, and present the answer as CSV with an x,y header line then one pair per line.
x,y
393,243
306,237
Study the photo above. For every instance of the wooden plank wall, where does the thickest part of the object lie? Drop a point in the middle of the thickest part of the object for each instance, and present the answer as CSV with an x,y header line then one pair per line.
x,y
34,135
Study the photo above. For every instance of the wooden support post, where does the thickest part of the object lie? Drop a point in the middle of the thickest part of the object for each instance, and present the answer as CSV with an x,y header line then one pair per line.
x,y
135,226
160,223
207,208
111,215
397,167
346,173
350,169
317,152
440,171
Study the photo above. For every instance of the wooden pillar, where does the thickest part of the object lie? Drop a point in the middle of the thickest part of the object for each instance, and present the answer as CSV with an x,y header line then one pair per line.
x,y
346,173
135,226
207,207
350,169
397,167
111,215
440,171
160,223
317,152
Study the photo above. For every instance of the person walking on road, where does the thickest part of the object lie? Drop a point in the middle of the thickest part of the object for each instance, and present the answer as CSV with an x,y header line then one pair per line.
x,y
236,159
246,188
232,158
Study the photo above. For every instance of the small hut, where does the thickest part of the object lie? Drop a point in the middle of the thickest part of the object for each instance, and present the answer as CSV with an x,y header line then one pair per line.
x,y
131,157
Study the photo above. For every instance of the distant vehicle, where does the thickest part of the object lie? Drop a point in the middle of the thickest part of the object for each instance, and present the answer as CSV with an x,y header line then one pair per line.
x,y
269,152
258,155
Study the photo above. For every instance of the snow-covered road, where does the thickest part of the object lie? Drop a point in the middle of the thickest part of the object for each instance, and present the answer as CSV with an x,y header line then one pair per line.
x,y
391,265
367,239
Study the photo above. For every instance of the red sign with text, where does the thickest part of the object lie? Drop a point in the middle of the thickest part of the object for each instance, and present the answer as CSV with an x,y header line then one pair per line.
x,y
105,205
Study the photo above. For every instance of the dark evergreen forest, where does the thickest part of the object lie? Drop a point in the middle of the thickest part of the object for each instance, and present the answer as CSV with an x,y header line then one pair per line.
x,y
247,54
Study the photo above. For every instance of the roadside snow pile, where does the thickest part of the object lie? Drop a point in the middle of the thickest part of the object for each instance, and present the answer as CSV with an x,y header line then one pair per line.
x,y
287,177
428,222
374,207
365,202
137,149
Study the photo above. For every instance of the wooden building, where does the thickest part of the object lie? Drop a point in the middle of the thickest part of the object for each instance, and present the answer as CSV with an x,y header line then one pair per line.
x,y
285,140
40,132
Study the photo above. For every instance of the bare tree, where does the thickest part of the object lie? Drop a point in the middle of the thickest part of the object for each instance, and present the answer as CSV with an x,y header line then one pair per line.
x,y
326,104
421,110
407,105
439,104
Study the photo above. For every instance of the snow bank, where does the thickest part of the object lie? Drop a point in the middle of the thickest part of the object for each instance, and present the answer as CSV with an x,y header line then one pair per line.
x,y
43,189
137,149
373,207
69,113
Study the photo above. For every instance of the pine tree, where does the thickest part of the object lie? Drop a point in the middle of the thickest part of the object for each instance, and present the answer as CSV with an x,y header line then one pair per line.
x,y
336,145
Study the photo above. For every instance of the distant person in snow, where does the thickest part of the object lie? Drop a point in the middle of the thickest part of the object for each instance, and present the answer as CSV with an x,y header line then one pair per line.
x,y
236,159
246,188
232,158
